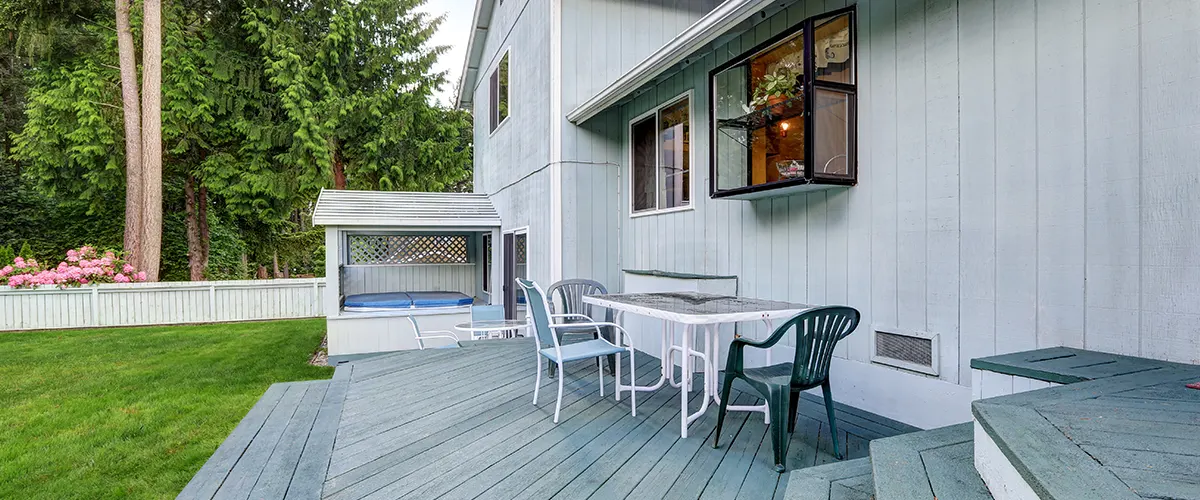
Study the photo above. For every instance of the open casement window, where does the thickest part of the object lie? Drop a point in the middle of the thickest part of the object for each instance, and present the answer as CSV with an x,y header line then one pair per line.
x,y
783,113
660,158
498,94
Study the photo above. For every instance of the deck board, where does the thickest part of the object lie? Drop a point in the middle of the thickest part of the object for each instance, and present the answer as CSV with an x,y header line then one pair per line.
x,y
460,423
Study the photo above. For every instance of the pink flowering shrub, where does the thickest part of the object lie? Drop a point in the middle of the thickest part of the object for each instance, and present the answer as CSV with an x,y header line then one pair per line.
x,y
84,265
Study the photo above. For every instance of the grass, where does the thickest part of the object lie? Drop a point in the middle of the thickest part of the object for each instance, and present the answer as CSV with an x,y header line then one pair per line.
x,y
134,412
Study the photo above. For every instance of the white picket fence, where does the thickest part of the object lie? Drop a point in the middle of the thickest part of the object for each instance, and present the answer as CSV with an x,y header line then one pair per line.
x,y
136,304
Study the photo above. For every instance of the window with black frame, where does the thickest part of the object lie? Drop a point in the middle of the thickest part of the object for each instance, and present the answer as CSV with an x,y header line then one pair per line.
x,y
783,113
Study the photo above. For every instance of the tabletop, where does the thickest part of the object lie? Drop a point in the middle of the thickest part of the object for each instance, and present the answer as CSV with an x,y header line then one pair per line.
x,y
491,325
697,308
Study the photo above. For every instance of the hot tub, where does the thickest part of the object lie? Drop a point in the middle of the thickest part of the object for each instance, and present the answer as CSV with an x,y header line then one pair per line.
x,y
393,301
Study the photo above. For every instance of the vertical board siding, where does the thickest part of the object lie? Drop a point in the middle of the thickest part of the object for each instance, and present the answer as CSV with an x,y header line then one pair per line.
x,y
1060,173
429,278
1169,64
160,304
1027,177
1113,227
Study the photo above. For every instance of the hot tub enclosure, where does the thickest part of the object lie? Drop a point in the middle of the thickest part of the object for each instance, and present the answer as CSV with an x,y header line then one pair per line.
x,y
389,255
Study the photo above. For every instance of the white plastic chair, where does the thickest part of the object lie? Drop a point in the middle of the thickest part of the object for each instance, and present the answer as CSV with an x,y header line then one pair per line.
x,y
550,348
439,334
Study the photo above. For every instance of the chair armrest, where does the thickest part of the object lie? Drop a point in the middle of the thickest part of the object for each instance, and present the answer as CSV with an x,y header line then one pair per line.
x,y
597,325
743,341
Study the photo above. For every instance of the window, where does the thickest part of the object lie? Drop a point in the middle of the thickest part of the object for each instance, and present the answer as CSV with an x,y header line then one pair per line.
x,y
521,261
783,114
487,263
498,93
660,158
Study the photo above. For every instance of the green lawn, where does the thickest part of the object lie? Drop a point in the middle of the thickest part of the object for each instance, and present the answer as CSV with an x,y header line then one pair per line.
x,y
134,412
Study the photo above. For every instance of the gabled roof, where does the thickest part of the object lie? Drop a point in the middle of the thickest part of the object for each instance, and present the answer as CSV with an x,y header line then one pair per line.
x,y
397,209
480,25
704,31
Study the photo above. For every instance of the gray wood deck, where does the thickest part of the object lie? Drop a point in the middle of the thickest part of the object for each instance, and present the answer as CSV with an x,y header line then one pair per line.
x,y
460,423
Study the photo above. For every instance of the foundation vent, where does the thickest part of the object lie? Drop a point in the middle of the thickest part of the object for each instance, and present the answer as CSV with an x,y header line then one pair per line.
x,y
911,351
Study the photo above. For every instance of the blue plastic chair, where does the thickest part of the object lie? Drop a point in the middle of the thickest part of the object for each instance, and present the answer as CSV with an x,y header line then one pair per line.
x,y
486,313
549,347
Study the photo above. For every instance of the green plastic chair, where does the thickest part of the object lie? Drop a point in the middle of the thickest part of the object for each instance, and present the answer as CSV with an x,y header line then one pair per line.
x,y
817,332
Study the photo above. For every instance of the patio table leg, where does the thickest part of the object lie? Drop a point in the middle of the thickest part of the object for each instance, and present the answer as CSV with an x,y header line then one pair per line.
x,y
666,360
683,379
706,368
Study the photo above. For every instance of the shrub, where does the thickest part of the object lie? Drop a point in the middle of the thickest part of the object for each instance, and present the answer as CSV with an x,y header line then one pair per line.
x,y
83,266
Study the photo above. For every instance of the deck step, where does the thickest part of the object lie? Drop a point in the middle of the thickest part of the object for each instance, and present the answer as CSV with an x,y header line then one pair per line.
x,y
926,465
847,480
282,446
1129,436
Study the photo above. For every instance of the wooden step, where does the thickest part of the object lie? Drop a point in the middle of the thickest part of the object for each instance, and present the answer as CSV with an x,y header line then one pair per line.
x,y
927,465
1123,437
847,480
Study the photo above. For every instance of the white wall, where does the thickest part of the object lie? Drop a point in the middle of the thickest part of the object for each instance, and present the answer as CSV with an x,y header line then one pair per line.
x,y
1029,176
136,304
460,278
512,163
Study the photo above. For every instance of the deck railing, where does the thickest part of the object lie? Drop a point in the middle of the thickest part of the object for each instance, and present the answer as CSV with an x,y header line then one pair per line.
x,y
137,304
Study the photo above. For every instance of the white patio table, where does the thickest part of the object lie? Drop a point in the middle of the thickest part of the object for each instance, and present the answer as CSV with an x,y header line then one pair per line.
x,y
695,311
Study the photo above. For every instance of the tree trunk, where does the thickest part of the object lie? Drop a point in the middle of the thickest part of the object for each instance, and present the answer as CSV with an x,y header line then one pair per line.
x,y
205,238
339,168
262,272
194,251
133,135
287,270
275,264
152,215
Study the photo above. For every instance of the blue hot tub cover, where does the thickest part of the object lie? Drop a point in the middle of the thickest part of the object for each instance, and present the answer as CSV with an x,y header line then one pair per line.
x,y
407,300
440,299
389,300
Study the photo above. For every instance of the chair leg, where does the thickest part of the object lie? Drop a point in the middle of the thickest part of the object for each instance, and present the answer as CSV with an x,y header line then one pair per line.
x,y
558,402
833,433
537,383
600,369
792,405
779,435
725,387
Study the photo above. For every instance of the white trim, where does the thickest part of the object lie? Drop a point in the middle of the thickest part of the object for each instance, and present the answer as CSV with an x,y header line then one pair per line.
x,y
469,78
704,31
556,201
1002,479
506,53
690,205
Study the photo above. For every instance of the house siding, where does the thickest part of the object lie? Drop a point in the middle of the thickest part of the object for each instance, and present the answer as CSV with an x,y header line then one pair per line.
x,y
602,40
511,163
1027,178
